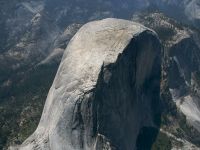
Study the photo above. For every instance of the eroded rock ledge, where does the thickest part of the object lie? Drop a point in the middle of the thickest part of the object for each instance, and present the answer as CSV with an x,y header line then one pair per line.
x,y
106,92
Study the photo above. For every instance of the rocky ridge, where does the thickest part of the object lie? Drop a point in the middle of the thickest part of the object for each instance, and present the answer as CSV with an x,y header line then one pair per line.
x,y
179,86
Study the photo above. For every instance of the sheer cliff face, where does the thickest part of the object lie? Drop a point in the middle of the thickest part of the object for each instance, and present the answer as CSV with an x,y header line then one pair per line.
x,y
185,85
180,83
106,91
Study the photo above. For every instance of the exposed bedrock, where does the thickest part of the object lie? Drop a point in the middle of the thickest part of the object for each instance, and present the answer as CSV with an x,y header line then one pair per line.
x,y
106,92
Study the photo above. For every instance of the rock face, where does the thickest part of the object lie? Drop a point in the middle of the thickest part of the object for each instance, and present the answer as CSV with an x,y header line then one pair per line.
x,y
180,79
185,91
31,37
106,91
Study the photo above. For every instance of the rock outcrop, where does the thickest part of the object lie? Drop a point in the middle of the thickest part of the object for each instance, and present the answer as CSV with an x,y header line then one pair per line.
x,y
106,92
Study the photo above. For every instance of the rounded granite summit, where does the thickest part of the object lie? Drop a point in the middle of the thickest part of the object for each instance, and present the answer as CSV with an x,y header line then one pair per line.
x,y
106,91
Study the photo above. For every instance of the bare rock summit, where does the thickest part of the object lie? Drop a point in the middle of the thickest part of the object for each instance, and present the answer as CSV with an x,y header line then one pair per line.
x,y
105,95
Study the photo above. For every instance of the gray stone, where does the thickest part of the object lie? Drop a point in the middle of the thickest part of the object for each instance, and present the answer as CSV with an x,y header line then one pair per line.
x,y
106,90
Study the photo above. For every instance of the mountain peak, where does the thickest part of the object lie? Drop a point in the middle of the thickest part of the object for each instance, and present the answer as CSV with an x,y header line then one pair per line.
x,y
102,93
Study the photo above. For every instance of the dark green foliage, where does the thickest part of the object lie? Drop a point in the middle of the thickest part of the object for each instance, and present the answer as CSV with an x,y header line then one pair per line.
x,y
21,108
197,78
162,142
165,33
